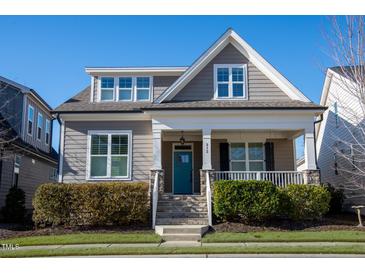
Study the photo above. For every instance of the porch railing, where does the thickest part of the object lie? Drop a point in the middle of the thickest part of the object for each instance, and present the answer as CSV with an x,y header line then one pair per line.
x,y
155,199
279,178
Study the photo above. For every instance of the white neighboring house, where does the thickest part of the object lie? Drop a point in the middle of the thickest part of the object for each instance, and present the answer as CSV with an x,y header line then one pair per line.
x,y
335,135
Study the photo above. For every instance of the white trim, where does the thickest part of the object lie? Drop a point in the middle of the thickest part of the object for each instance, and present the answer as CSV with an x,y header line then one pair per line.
x,y
92,89
62,148
170,70
105,116
230,82
28,120
25,117
192,165
109,133
232,37
39,114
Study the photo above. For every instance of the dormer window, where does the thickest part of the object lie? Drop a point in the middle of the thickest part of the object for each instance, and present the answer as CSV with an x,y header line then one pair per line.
x,y
107,89
127,88
230,81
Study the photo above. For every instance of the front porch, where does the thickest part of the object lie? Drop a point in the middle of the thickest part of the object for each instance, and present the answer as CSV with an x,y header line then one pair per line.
x,y
191,152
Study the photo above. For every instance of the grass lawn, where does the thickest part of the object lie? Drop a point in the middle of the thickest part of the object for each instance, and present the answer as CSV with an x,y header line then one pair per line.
x,y
292,236
85,238
185,250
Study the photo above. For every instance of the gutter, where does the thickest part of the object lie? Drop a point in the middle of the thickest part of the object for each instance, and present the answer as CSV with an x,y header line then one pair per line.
x,y
59,146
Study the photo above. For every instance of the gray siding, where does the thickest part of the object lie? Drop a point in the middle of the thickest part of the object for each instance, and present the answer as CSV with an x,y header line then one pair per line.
x,y
75,147
33,171
32,139
283,154
260,88
13,110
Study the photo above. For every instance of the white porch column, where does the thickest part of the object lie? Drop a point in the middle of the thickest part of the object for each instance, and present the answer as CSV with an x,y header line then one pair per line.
x,y
156,135
309,155
207,148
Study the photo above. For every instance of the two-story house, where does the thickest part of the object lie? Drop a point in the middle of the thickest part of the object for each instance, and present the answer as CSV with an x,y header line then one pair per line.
x,y
27,158
230,115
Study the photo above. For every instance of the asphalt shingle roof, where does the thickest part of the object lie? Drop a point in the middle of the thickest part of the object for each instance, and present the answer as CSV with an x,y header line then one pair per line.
x,y
81,103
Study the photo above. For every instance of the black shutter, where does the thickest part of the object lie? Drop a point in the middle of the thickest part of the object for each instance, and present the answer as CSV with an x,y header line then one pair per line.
x,y
224,157
269,156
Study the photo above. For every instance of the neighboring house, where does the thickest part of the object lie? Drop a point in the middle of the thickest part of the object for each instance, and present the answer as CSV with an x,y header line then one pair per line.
x,y
337,136
27,158
230,114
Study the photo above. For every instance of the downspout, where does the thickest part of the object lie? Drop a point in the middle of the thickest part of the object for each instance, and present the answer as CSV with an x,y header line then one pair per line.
x,y
315,138
59,145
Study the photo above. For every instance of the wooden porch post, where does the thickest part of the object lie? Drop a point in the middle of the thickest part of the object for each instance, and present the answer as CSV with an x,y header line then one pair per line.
x,y
207,148
157,149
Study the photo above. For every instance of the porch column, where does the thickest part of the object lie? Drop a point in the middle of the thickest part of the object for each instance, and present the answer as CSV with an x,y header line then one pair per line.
x,y
156,135
309,147
207,147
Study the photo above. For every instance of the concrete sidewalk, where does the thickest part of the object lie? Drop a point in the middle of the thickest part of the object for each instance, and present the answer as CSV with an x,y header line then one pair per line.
x,y
193,244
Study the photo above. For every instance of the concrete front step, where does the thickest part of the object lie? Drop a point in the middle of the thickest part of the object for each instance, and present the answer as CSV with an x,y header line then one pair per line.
x,y
173,209
182,221
181,204
165,197
182,215
181,232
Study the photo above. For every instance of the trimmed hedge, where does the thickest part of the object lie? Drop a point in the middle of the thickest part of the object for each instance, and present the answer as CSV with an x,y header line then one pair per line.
x,y
257,201
92,204
305,202
245,200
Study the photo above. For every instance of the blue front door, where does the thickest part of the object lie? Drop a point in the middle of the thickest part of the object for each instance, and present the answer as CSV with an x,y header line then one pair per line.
x,y
183,172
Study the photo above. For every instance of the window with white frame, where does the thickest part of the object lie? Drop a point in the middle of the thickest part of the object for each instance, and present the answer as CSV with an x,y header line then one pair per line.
x,y
48,131
107,89
247,157
30,120
230,81
127,88
39,126
109,154
53,174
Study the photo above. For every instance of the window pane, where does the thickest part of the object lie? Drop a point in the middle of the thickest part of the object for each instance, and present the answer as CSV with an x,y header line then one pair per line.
x,y
106,94
237,90
125,94
238,152
238,166
107,82
119,144
40,121
99,144
125,82
222,74
98,166
143,94
256,166
222,90
143,82
30,114
255,151
119,166
237,74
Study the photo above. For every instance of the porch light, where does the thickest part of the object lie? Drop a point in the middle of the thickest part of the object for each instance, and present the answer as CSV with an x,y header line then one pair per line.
x,y
182,139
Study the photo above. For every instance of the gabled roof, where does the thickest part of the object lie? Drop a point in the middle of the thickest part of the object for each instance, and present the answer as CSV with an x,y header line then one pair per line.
x,y
27,90
152,70
232,37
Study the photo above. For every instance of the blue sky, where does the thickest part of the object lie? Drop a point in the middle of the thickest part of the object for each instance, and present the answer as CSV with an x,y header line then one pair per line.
x,y
49,53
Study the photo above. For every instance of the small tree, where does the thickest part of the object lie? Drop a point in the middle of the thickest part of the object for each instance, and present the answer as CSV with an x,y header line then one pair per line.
x,y
14,209
346,40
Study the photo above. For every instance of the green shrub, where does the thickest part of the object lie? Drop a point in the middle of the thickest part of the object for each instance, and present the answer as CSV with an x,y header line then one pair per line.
x,y
337,199
14,209
249,201
94,204
305,202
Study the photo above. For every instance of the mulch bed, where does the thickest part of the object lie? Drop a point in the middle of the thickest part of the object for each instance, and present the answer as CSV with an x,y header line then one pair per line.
x,y
16,230
346,221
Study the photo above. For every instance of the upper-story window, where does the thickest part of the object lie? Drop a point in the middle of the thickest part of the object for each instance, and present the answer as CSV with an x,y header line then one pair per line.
x,y
39,126
48,131
30,120
230,81
126,88
107,89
